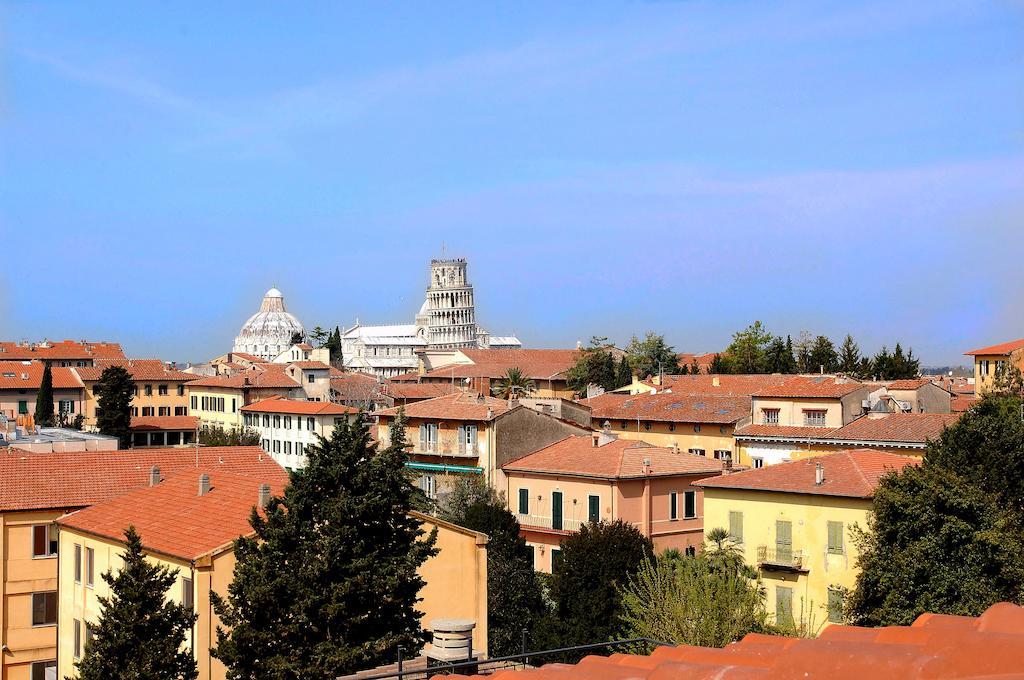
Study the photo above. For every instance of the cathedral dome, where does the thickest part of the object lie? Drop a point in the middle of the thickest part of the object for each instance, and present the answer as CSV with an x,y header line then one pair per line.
x,y
269,331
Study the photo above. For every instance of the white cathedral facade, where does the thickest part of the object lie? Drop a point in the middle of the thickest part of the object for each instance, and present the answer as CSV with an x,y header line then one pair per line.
x,y
447,320
269,331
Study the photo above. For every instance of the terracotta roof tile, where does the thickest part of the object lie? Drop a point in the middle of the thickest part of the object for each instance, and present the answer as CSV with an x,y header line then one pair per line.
x,y
165,422
961,404
912,384
536,364
1002,348
784,431
895,427
140,369
296,406
458,406
669,407
310,365
853,474
19,375
32,481
263,375
69,350
811,386
410,390
618,459
173,519
729,385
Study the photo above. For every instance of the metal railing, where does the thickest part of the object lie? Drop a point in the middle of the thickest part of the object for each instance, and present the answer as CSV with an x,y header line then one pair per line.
x,y
785,558
511,661
446,449
546,522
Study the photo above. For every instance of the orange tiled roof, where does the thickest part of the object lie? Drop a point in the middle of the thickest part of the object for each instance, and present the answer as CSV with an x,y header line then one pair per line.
x,y
70,350
140,369
811,386
961,404
412,376
730,385
536,364
410,390
853,474
670,407
784,431
18,375
618,459
1002,348
165,422
295,406
936,646
173,519
264,375
33,481
912,384
458,406
310,364
895,427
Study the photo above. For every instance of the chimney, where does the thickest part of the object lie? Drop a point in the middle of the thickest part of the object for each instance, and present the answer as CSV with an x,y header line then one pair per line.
x,y
596,439
716,381
675,447
264,497
490,413
819,474
204,484
154,476
727,462
647,466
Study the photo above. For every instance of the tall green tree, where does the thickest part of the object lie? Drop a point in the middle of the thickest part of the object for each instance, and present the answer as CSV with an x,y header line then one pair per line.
x,y
694,367
623,373
114,392
139,634
882,365
328,585
823,356
334,345
513,384
652,356
849,356
318,337
595,365
718,365
779,356
904,366
748,351
44,399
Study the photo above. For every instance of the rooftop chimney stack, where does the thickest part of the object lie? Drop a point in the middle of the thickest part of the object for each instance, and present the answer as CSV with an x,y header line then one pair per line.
x,y
819,474
716,381
204,484
154,476
264,497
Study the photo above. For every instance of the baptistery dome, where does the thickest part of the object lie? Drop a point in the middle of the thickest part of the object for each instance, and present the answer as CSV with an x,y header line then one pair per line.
x,y
269,331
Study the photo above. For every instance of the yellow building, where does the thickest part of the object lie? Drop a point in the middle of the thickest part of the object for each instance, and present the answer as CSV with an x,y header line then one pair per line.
x,y
792,522
988,361
37,489
481,369
218,400
159,391
701,424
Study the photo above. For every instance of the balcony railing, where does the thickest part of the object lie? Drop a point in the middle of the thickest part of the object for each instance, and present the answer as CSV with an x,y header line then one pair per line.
x,y
778,558
546,522
447,449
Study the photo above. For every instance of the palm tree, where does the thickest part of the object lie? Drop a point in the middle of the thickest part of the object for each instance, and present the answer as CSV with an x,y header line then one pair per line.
x,y
514,383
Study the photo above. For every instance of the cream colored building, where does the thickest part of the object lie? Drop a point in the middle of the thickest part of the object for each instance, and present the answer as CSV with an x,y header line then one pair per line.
x,y
793,523
287,427
159,390
989,361
218,400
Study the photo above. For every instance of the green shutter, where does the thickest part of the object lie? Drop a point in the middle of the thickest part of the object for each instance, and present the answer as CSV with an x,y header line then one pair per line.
x,y
784,540
835,605
736,525
784,606
556,510
594,509
689,504
835,538
673,506
524,501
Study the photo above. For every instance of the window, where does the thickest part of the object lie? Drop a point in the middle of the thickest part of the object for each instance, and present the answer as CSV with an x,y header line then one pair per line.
x,y
287,422
234,405
277,421
299,449
835,538
147,410
736,525
673,505
22,407
173,438
181,390
66,406
696,429
310,423
148,390
524,501
180,411
428,436
78,563
770,416
310,379
689,504
187,595
556,510
44,670
723,454
77,625
758,462
44,540
90,566
288,448
161,390
624,425
835,605
593,508
277,446
556,558
815,418
671,427
135,411
467,438
783,606
783,540
266,445
428,485
164,411
44,608
195,402
266,420
697,452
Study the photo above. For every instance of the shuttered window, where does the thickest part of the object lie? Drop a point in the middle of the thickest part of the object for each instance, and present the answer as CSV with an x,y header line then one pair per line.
x,y
835,538
673,505
593,508
689,504
524,501
736,525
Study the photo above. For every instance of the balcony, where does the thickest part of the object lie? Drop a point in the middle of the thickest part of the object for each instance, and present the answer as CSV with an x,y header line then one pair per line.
x,y
458,450
544,522
776,559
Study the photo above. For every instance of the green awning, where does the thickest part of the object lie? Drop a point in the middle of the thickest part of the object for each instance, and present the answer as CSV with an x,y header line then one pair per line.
x,y
436,467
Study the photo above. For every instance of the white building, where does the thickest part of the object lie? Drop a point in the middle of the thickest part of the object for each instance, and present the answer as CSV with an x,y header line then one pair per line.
x,y
269,331
288,427
446,320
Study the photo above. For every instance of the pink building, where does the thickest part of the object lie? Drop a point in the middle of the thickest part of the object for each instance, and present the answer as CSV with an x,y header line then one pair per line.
x,y
580,479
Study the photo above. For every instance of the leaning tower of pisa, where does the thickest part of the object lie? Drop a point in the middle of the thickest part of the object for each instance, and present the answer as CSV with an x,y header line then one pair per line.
x,y
450,311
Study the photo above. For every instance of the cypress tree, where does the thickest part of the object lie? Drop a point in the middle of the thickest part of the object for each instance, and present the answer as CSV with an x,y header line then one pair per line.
x,y
44,399
114,403
329,583
139,634
624,372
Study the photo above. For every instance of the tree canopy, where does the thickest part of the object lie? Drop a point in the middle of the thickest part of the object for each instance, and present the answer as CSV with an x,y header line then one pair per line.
x,y
748,351
594,366
513,384
652,356
114,393
44,399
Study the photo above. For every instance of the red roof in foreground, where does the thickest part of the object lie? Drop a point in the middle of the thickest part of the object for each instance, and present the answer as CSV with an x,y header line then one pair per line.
x,y
853,474
18,375
618,459
173,519
935,646
35,481
1002,348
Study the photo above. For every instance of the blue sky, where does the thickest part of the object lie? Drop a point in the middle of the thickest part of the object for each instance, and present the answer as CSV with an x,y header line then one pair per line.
x,y
608,168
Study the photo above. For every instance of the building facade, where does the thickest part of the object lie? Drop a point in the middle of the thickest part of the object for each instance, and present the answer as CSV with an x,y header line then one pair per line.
x,y
269,332
990,361
287,427
159,390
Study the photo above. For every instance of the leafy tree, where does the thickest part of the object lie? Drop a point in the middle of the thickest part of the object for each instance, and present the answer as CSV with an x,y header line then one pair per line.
x,y
140,634
595,365
215,435
694,367
652,356
44,399
882,365
114,403
802,352
334,345
1008,381
849,357
823,355
318,337
779,356
296,338
707,600
513,384
328,585
465,491
718,365
623,374
904,366
748,350
597,561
